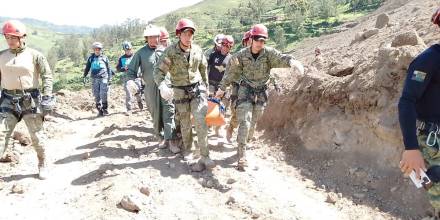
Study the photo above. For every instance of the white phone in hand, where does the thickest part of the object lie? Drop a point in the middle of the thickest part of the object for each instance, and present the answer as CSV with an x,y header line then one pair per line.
x,y
423,181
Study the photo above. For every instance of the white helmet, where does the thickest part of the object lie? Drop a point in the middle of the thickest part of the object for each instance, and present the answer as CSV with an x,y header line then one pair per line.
x,y
97,45
218,39
151,31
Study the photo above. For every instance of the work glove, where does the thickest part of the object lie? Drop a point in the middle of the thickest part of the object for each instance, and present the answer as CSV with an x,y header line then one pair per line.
x,y
85,80
295,64
47,104
166,92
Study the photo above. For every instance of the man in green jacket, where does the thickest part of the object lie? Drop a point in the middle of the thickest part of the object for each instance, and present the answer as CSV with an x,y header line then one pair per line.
x,y
161,110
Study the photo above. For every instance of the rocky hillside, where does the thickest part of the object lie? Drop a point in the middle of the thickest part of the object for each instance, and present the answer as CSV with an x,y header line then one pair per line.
x,y
343,112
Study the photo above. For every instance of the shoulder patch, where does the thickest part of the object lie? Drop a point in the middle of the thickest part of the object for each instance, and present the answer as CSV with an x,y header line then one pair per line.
x,y
418,76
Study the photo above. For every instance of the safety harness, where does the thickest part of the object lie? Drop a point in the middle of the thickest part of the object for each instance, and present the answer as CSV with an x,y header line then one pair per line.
x,y
192,91
256,96
23,102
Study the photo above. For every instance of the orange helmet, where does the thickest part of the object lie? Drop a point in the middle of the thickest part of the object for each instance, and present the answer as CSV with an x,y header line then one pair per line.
x,y
259,30
14,28
164,35
228,40
184,23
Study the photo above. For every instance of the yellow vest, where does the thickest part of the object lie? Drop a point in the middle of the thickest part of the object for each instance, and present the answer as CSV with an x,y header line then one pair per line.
x,y
19,71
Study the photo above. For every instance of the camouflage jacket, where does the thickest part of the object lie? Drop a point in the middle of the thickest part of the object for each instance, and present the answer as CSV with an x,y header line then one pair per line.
x,y
255,72
183,70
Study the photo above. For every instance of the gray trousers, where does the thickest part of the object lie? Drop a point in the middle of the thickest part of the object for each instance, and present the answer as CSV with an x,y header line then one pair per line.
x,y
100,90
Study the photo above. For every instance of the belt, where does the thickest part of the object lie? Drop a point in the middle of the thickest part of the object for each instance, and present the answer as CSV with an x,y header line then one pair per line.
x,y
192,91
426,127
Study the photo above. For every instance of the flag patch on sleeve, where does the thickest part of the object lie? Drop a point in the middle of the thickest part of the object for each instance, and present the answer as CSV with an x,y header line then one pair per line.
x,y
418,76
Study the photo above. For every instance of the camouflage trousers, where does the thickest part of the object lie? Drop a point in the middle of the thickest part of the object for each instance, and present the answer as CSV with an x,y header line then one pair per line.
x,y
250,108
432,158
198,107
34,123
233,123
132,89
100,90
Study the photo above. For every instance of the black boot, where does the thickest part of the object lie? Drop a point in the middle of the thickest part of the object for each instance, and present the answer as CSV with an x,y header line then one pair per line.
x,y
99,108
104,108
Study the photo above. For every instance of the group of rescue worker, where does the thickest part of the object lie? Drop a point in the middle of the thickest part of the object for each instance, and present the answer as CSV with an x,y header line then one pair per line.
x,y
178,79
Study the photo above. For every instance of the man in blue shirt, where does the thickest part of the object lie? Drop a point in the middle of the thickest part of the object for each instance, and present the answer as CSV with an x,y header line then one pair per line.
x,y
98,65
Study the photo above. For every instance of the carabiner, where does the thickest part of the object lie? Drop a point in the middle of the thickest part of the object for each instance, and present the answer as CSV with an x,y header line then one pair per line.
x,y
433,142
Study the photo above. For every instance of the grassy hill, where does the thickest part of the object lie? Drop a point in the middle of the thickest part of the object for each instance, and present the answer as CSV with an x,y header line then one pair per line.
x,y
286,16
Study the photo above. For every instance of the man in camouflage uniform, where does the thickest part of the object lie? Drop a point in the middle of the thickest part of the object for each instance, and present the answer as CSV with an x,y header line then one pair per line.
x,y
161,110
187,67
233,123
252,65
246,41
20,71
419,104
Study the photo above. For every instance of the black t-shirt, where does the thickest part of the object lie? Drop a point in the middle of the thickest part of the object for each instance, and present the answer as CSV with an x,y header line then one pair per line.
x,y
217,65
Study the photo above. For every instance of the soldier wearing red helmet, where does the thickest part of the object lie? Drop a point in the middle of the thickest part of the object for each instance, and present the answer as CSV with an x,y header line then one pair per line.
x,y
22,97
251,67
246,40
164,38
185,64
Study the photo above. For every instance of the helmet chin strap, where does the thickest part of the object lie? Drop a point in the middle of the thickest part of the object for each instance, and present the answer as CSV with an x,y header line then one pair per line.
x,y
22,42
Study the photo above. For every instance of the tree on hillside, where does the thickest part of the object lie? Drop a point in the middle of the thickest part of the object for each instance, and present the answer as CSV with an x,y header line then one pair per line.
x,y
279,38
171,21
52,58
257,9
327,8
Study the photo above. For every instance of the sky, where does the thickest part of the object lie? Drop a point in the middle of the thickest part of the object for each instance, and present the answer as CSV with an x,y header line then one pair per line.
x,y
94,13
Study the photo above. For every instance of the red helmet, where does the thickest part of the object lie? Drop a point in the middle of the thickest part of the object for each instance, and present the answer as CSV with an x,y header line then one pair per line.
x,y
259,30
436,17
184,24
14,28
164,35
228,40
246,36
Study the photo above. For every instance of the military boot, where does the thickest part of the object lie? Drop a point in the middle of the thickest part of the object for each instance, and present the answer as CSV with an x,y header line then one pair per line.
x,y
141,106
241,154
174,146
229,132
104,108
209,164
42,168
99,108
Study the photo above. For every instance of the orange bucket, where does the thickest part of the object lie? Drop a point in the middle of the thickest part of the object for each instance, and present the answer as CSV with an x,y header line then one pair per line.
x,y
214,117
